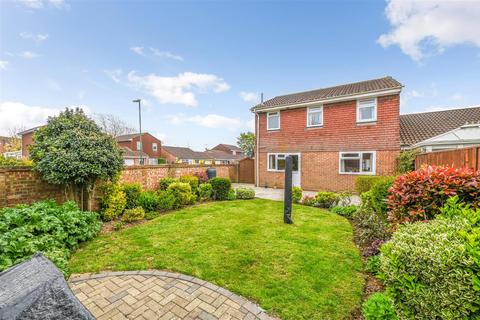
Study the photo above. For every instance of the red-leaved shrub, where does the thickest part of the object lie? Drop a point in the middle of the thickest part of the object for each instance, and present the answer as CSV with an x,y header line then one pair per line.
x,y
202,176
419,195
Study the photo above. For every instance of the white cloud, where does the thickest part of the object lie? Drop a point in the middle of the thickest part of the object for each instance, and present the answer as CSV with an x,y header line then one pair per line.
x,y
419,26
29,55
137,50
166,54
39,4
16,115
3,64
58,3
35,37
249,96
178,89
209,121
115,74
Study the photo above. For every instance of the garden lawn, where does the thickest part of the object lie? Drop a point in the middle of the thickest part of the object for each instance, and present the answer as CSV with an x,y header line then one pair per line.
x,y
308,270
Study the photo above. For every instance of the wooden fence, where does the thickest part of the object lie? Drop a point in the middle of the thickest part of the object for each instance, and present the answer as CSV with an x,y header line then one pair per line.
x,y
246,170
467,157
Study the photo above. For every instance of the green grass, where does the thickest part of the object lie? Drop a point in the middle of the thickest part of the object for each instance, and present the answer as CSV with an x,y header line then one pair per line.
x,y
308,270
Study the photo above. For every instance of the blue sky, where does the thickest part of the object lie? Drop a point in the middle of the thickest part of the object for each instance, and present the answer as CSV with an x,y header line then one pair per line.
x,y
200,66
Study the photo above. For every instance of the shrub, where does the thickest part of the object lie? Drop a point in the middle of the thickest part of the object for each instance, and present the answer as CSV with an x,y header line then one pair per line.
x,y
379,193
165,182
296,194
308,201
373,264
202,177
161,161
378,307
366,201
112,202
231,195
118,225
365,183
13,162
245,193
151,215
419,195
44,226
429,272
191,180
205,191
166,200
326,199
371,229
406,160
346,211
132,193
182,193
134,214
148,200
221,188
345,198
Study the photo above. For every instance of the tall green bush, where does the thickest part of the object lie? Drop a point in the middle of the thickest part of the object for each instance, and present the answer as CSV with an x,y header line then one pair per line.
x,y
166,200
182,193
365,183
191,180
132,194
379,194
406,160
113,201
165,182
148,200
221,188
205,191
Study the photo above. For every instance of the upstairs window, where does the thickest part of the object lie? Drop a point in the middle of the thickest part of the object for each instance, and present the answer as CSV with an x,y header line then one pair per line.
x,y
357,162
367,110
273,120
315,117
154,146
139,145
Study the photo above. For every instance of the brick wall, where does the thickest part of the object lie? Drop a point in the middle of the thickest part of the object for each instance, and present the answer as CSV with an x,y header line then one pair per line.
x,y
22,185
319,171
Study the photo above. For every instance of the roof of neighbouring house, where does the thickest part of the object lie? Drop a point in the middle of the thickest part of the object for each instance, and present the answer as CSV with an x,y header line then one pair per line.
x,y
127,137
228,146
222,155
344,90
416,127
184,153
30,130
129,153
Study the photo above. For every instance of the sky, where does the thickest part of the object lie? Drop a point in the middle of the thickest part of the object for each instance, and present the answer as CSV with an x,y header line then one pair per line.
x,y
199,66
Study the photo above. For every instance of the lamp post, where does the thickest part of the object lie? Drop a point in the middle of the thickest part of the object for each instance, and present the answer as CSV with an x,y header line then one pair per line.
x,y
140,152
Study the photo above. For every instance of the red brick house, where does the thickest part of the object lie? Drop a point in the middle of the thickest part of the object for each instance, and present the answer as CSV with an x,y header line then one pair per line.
x,y
334,134
130,143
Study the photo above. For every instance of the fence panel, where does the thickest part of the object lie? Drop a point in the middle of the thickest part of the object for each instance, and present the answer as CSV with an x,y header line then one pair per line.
x,y
467,157
246,171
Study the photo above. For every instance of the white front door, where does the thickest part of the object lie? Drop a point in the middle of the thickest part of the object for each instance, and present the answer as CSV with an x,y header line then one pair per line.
x,y
296,161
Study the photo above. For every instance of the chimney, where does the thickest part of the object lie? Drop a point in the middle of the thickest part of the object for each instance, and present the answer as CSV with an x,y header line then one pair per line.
x,y
261,98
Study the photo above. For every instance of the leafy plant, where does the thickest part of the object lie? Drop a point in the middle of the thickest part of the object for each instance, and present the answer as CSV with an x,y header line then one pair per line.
x,y
346,211
379,193
365,183
161,161
182,193
430,269
326,199
378,307
373,264
134,214
231,195
296,194
308,201
205,191
13,162
165,182
191,180
246,142
245,193
152,215
72,151
371,230
419,195
118,225
44,226
406,160
221,188
202,177
132,194
148,200
113,201
166,200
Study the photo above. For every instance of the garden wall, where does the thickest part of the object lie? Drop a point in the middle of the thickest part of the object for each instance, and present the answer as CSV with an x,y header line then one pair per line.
x,y
22,185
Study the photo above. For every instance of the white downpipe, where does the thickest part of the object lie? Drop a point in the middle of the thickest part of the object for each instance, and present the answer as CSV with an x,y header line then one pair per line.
x,y
257,156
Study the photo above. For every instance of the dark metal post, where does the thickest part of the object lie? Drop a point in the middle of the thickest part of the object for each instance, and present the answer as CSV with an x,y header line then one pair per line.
x,y
287,211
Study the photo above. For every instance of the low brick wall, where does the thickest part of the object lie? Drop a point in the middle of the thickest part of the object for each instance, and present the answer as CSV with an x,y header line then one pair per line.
x,y
22,185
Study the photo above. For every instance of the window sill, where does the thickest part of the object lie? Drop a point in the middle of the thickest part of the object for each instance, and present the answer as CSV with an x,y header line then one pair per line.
x,y
315,127
359,123
278,129
359,173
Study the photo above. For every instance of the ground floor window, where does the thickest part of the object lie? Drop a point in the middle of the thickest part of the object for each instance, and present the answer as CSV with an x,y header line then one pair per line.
x,y
362,162
276,161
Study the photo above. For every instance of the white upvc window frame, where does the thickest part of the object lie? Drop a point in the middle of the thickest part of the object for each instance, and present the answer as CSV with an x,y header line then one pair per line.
x,y
269,114
314,109
283,156
139,145
374,119
360,156
154,146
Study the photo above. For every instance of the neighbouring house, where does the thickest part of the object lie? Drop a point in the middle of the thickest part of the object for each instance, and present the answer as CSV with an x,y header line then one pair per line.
x,y
27,139
229,148
134,158
189,156
130,143
333,135
440,130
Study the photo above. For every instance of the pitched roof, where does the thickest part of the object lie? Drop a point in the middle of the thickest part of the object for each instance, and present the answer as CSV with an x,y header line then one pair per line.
x,y
345,90
127,137
416,127
184,153
222,155
228,146
129,153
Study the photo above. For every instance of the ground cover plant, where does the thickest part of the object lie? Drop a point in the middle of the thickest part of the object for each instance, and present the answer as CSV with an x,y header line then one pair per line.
x,y
308,270
44,226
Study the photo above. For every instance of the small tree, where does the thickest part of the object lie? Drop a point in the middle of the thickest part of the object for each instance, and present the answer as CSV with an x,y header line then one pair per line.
x,y
72,151
246,142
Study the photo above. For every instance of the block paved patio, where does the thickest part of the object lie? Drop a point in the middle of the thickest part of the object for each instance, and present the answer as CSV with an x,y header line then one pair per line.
x,y
159,295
